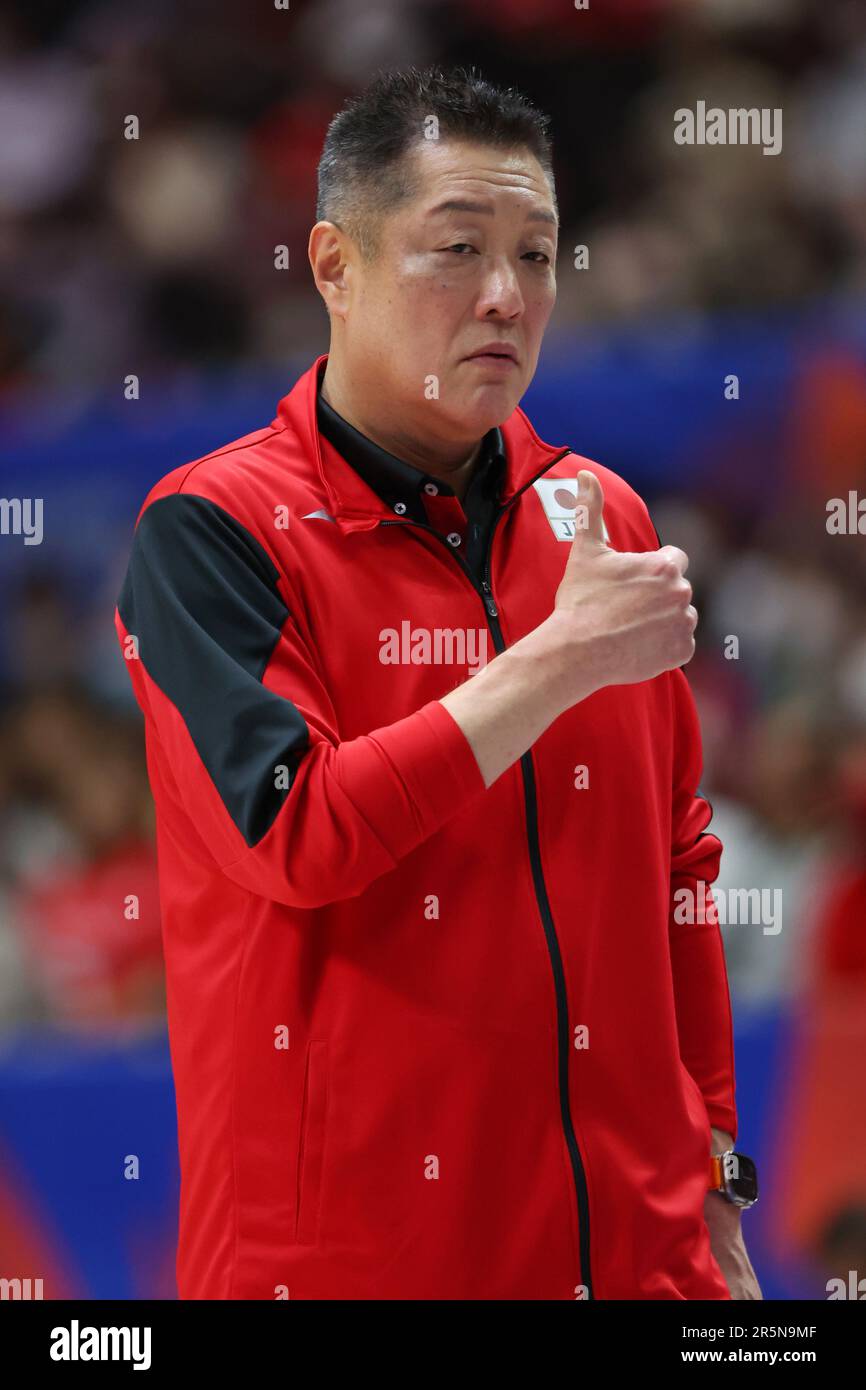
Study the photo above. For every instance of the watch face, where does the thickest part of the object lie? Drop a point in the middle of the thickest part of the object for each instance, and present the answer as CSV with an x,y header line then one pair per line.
x,y
742,1177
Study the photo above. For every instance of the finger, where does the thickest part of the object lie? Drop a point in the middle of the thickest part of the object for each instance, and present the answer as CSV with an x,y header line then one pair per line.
x,y
590,499
679,557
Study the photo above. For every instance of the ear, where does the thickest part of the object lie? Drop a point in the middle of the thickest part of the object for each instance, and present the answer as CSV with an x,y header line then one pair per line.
x,y
330,253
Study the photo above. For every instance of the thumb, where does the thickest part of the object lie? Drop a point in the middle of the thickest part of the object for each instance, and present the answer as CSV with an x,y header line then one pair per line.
x,y
590,506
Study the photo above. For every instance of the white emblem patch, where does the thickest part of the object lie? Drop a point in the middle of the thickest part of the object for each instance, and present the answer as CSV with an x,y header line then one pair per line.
x,y
559,500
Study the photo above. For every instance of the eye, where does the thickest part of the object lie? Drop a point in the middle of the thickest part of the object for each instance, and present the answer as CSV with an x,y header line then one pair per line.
x,y
545,259
459,247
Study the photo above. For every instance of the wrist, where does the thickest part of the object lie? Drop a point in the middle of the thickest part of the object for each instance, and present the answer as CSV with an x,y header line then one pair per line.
x,y
558,666
723,1218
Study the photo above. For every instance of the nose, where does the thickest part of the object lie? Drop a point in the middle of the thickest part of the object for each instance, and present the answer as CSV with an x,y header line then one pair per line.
x,y
500,291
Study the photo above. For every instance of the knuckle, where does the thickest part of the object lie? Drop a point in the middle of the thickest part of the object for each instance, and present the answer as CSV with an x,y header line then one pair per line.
x,y
669,567
655,564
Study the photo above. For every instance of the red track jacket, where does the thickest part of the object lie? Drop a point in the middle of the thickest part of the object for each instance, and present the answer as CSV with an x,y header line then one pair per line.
x,y
429,1040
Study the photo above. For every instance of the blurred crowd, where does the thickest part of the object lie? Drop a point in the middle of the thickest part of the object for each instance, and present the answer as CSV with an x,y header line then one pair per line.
x,y
156,255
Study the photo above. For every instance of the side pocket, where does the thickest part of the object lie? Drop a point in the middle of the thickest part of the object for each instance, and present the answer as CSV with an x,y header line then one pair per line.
x,y
311,1142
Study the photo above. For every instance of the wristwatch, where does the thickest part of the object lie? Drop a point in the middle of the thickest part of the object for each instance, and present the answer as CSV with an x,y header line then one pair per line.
x,y
734,1176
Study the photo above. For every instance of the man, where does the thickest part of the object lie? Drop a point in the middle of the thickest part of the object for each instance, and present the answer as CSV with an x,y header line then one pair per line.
x,y
425,771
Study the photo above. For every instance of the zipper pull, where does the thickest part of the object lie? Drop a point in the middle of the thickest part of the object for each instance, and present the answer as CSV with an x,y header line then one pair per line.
x,y
489,602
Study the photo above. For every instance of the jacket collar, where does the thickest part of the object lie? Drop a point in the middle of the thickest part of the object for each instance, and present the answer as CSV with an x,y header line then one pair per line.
x,y
399,484
352,502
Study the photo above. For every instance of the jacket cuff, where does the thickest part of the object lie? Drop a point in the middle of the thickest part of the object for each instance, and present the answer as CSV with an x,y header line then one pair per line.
x,y
433,772
723,1117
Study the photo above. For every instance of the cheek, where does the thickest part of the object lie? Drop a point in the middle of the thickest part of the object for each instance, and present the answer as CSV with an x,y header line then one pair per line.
x,y
425,306
542,293
539,306
421,283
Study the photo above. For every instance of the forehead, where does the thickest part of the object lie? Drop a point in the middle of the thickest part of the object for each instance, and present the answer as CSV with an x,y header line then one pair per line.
x,y
451,170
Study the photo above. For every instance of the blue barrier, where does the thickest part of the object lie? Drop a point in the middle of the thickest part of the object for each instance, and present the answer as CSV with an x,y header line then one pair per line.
x,y
73,1110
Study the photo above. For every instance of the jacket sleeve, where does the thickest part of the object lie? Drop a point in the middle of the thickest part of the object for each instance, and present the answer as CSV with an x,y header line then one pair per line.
x,y
697,954
247,730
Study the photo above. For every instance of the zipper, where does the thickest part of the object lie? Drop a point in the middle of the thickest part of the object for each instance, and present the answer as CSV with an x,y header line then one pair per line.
x,y
530,799
489,601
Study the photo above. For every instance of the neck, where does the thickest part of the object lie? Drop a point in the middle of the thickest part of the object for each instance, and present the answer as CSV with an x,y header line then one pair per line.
x,y
453,464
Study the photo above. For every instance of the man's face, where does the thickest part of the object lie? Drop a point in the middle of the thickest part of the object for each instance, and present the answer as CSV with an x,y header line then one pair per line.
x,y
466,262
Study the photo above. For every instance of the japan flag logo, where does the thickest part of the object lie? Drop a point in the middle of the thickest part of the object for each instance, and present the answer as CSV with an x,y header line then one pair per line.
x,y
559,500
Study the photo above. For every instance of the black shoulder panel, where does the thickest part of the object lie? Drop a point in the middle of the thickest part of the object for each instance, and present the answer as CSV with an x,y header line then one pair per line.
x,y
201,596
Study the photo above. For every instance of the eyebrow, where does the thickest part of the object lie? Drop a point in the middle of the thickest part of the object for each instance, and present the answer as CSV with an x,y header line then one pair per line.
x,y
467,205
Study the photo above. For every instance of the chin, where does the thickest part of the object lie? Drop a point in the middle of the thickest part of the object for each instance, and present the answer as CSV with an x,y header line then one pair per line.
x,y
491,405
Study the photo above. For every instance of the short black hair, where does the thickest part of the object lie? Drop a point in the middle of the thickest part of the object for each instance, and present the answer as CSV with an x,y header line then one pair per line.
x,y
363,171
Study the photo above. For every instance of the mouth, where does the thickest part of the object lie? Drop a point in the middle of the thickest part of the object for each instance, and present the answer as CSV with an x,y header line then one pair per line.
x,y
499,355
